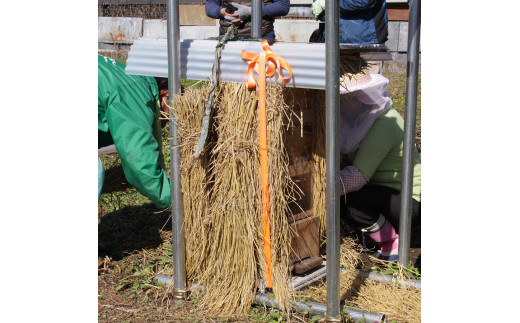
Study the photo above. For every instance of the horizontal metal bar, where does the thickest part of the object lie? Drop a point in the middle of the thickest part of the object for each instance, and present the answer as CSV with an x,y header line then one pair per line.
x,y
314,308
410,283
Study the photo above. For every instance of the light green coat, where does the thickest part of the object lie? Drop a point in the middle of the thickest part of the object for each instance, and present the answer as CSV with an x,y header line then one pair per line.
x,y
379,158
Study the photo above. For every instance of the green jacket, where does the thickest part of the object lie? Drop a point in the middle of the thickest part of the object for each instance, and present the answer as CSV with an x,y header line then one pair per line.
x,y
128,116
379,158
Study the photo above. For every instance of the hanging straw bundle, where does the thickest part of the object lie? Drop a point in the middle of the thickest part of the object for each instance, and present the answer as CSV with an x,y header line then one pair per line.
x,y
222,201
230,275
282,191
195,175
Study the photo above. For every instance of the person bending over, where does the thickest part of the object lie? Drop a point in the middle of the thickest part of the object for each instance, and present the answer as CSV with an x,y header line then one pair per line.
x,y
371,139
128,116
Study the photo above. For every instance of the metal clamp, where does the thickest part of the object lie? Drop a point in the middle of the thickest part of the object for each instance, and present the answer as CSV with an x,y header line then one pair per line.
x,y
332,319
180,294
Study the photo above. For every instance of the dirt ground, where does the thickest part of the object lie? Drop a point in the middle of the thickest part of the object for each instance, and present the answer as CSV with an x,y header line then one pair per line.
x,y
135,242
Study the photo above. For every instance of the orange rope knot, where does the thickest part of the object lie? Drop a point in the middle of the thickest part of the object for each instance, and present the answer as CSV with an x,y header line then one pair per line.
x,y
274,62
257,63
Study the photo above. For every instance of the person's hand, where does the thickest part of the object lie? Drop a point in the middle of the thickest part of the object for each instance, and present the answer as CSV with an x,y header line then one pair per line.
x,y
231,17
244,12
318,7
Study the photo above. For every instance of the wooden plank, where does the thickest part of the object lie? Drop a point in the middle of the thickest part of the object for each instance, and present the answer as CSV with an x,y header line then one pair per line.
x,y
302,168
299,216
400,14
304,200
306,265
304,239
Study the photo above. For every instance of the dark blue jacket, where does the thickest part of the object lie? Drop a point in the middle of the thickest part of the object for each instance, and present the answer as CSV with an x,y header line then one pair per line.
x,y
277,8
362,21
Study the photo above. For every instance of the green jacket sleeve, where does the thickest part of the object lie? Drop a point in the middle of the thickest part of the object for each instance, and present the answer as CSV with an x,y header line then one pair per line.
x,y
128,104
130,119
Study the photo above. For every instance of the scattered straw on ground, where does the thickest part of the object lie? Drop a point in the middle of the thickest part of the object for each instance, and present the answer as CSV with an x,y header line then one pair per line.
x,y
402,304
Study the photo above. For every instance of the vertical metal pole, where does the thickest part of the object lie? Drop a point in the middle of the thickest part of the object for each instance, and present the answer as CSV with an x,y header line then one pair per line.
x,y
256,19
405,219
174,85
332,156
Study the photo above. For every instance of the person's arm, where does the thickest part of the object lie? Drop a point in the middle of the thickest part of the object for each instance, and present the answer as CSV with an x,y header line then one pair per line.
x,y
130,116
350,180
355,5
384,135
213,9
278,8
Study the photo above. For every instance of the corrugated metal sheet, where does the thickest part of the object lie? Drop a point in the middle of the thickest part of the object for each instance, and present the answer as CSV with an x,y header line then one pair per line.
x,y
149,57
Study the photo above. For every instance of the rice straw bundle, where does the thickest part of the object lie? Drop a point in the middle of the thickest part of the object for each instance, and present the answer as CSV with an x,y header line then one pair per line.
x,y
282,192
222,201
230,275
195,175
319,207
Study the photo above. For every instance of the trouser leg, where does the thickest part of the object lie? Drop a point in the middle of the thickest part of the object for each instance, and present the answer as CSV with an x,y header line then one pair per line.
x,y
376,211
362,208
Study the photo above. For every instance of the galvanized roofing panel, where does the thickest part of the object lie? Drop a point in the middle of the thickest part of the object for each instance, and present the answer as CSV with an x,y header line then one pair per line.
x,y
149,56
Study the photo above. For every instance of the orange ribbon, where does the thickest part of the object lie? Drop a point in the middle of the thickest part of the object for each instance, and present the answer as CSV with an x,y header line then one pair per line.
x,y
257,63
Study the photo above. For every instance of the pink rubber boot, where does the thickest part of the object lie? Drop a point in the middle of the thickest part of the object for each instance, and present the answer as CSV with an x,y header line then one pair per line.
x,y
384,233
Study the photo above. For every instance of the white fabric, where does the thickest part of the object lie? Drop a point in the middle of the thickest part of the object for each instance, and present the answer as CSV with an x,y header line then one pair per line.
x,y
360,106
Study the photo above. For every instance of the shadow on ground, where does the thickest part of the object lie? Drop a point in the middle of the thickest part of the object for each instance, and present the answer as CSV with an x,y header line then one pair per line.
x,y
130,229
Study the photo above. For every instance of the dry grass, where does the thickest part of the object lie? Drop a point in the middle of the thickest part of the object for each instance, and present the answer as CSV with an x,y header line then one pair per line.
x,y
397,302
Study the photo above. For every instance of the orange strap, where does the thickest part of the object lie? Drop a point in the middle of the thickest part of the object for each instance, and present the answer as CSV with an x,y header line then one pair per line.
x,y
257,63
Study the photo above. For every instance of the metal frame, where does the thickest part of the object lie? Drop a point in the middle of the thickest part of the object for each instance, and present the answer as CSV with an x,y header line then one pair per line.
x,y
332,153
174,86
412,71
332,157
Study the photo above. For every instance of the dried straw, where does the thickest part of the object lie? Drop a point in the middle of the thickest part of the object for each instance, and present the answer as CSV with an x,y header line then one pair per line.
x,y
195,176
319,207
282,191
397,302
222,201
